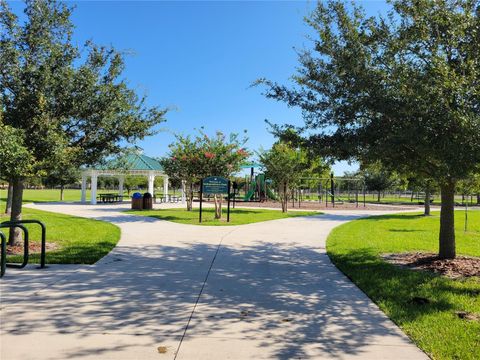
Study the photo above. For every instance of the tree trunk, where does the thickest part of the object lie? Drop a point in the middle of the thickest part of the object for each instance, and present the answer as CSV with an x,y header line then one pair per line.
x,y
447,222
379,194
8,207
478,199
189,197
427,202
218,205
61,192
284,199
15,237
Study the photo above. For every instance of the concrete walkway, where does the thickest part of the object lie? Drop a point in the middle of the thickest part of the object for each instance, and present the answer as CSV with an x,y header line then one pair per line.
x,y
172,291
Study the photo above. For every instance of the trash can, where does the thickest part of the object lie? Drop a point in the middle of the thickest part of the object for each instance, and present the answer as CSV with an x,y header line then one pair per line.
x,y
137,201
147,201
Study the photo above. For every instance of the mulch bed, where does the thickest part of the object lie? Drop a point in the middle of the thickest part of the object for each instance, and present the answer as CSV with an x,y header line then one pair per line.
x,y
461,266
315,205
32,248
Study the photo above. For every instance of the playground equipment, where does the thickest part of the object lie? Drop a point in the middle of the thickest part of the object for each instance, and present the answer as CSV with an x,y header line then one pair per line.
x,y
332,190
258,190
256,186
20,224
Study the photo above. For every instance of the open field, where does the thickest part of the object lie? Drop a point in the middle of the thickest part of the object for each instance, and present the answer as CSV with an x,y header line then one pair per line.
x,y
434,325
76,240
70,195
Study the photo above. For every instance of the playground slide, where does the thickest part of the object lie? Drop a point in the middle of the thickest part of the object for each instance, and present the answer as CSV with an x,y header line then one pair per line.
x,y
271,195
250,192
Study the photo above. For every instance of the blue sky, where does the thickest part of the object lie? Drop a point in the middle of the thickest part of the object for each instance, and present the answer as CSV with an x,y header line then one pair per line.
x,y
200,58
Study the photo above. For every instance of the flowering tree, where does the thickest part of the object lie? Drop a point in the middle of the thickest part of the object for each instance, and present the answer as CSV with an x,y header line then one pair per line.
x,y
192,159
183,164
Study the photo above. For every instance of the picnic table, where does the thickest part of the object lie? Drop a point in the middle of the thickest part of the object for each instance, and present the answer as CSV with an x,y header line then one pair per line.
x,y
110,198
169,198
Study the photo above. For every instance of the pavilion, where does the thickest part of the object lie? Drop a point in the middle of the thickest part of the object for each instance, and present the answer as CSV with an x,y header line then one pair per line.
x,y
131,164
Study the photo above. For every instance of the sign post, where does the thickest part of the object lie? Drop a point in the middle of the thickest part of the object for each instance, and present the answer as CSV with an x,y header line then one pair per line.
x,y
215,185
228,202
235,187
201,199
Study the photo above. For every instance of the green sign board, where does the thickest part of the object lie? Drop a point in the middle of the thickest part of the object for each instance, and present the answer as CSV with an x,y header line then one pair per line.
x,y
215,185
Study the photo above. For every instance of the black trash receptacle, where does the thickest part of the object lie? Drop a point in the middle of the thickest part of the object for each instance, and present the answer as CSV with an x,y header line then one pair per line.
x,y
147,201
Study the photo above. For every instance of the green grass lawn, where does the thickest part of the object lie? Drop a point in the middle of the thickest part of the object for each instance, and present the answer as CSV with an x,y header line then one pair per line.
x,y
79,240
237,216
45,195
355,248
70,195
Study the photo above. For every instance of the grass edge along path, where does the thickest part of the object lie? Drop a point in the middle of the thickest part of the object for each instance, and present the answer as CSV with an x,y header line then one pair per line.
x,y
434,326
238,216
79,240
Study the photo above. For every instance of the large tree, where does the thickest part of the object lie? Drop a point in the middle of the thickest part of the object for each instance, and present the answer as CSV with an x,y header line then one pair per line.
x,y
401,89
377,178
67,99
285,165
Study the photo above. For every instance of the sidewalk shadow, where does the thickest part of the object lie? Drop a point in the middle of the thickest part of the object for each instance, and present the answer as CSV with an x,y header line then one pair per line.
x,y
289,296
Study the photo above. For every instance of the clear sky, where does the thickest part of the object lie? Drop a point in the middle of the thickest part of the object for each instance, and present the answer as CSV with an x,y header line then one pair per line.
x,y
200,58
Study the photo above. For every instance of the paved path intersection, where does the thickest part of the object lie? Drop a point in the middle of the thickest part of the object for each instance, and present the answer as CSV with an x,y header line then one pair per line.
x,y
257,291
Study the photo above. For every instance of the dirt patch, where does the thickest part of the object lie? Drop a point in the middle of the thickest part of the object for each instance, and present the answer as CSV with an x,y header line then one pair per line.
x,y
461,266
315,205
32,248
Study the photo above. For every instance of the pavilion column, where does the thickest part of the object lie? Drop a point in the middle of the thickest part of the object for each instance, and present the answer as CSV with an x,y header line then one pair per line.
x,y
183,192
165,187
93,190
121,180
151,182
84,188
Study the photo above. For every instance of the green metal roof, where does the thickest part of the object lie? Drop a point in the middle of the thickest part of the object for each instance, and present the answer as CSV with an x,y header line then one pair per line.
x,y
142,162
134,162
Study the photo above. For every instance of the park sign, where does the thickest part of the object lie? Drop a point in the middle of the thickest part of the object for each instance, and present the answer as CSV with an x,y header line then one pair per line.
x,y
215,185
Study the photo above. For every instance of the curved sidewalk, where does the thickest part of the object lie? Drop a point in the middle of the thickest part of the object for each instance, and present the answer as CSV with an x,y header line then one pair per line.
x,y
170,291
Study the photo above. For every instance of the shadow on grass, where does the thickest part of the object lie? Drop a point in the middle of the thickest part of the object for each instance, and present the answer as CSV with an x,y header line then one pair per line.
x,y
79,253
395,217
393,288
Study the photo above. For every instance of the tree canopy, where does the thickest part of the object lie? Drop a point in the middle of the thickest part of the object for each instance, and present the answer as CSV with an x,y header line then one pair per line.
x,y
69,101
400,89
285,165
15,159
63,95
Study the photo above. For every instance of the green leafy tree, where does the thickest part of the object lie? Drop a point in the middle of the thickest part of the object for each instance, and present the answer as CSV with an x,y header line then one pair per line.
x,y
133,182
470,186
377,178
401,89
15,161
417,183
65,99
62,173
285,165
